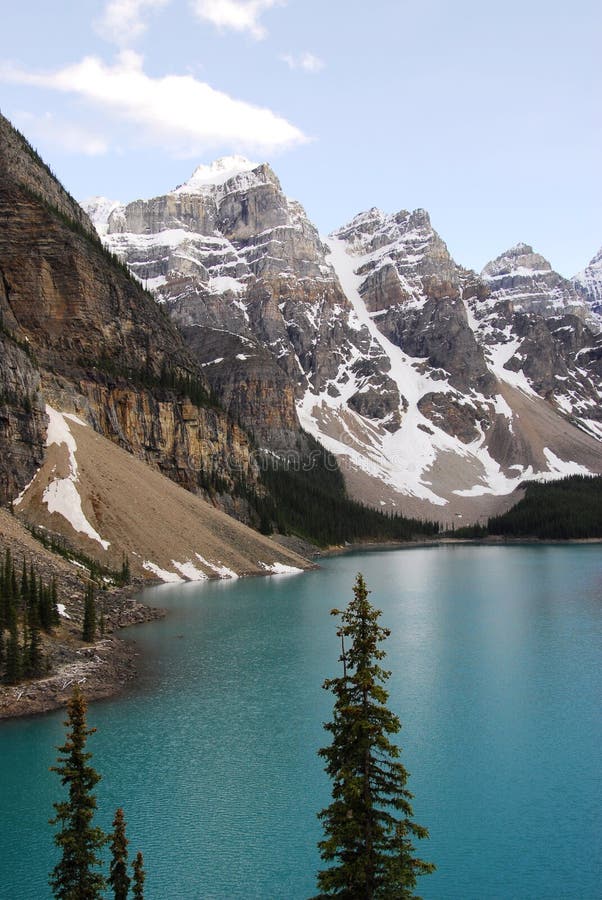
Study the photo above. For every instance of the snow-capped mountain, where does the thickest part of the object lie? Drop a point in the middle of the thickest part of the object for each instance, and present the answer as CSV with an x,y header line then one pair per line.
x,y
529,282
438,390
99,209
589,282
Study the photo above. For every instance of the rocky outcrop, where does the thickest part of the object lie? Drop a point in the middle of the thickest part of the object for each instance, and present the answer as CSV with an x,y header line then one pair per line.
x,y
252,387
22,164
22,419
416,290
526,279
537,324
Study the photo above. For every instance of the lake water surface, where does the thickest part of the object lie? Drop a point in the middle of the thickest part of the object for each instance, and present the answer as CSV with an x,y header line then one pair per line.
x,y
495,655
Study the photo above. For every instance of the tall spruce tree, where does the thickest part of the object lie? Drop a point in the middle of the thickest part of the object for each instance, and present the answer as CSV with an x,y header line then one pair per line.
x,y
75,877
139,877
118,873
368,827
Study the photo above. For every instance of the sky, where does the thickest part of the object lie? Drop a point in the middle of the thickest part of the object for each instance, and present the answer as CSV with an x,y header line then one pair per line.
x,y
488,115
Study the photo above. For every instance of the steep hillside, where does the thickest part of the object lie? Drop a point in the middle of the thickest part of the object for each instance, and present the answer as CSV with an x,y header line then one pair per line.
x,y
80,332
107,504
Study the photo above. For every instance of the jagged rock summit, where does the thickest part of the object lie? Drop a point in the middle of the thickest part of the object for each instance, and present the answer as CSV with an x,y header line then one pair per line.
x,y
438,389
215,174
527,279
589,282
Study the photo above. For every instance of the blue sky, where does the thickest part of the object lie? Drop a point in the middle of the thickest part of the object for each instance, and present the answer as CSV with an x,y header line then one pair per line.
x,y
486,114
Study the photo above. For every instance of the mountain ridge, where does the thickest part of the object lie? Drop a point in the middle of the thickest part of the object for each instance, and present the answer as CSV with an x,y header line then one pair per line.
x,y
245,258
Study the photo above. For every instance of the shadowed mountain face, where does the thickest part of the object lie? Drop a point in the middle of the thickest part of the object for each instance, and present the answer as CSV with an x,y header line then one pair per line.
x,y
79,332
437,389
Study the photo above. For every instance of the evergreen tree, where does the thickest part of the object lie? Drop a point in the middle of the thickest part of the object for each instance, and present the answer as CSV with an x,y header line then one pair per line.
x,y
89,626
125,569
33,656
368,826
73,877
118,877
139,877
7,590
54,606
45,609
13,649
24,581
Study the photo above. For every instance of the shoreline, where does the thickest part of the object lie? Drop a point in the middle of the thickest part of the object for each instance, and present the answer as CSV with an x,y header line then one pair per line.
x,y
107,667
103,669
489,541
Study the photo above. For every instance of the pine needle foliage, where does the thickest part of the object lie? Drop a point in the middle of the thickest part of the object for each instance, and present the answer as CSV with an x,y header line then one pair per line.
x,y
368,827
139,877
75,876
89,625
118,874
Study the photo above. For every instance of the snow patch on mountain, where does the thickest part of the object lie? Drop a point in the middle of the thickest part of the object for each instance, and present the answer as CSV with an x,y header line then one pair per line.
x,y
99,209
404,457
162,574
216,174
61,495
527,279
589,282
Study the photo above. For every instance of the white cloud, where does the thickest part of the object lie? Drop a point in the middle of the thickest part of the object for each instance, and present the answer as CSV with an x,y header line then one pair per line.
x,y
122,21
177,112
66,135
239,15
306,61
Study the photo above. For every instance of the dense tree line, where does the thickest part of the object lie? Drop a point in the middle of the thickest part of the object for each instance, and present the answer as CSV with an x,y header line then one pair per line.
x,y
557,510
28,607
307,497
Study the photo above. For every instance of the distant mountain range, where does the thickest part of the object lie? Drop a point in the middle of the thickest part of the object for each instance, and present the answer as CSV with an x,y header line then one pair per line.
x,y
439,390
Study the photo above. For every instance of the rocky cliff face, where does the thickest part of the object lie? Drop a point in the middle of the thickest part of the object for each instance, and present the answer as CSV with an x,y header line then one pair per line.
x,y
411,369
97,344
25,166
415,292
589,284
527,281
535,323
22,418
228,252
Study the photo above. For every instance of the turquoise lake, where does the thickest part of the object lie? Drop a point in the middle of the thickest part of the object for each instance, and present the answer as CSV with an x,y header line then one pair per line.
x,y
495,654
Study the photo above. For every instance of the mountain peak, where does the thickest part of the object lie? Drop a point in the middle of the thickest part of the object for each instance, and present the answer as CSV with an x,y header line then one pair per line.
x,y
518,260
520,249
215,174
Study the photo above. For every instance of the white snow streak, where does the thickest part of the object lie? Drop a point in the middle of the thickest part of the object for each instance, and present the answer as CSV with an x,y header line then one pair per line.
x,y
280,569
189,571
220,570
62,496
162,574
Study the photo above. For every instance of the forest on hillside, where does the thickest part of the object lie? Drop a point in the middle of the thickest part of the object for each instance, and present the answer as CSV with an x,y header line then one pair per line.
x,y
559,510
308,498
